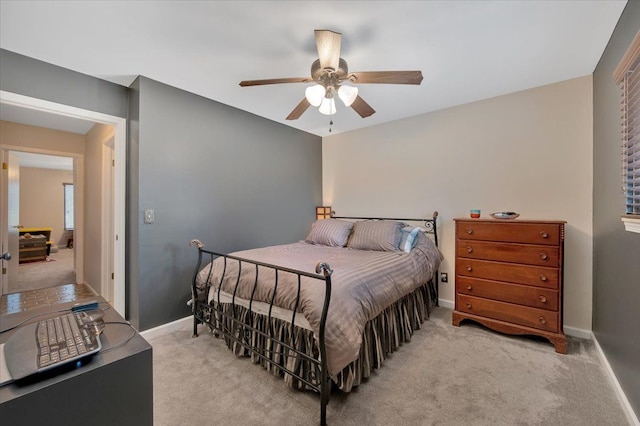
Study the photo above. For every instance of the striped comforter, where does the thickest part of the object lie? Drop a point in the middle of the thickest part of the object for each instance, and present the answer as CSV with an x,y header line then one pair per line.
x,y
364,283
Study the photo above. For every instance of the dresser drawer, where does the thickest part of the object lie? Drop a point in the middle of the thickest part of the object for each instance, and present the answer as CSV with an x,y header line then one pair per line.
x,y
35,241
515,232
516,314
542,255
510,272
536,297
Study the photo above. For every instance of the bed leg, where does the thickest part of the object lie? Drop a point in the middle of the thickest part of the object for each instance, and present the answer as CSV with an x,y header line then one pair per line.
x,y
195,327
325,391
323,412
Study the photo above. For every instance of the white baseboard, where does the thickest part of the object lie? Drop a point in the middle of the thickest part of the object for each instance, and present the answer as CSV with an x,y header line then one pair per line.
x,y
446,303
626,406
161,330
578,332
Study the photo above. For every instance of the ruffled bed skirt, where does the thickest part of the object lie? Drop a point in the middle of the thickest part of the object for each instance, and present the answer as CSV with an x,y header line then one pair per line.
x,y
382,336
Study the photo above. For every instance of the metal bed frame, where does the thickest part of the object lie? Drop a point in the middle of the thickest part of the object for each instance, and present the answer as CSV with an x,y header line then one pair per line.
x,y
235,331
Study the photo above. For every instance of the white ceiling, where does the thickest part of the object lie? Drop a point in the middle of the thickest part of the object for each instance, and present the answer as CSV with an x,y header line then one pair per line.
x,y
466,50
37,118
43,161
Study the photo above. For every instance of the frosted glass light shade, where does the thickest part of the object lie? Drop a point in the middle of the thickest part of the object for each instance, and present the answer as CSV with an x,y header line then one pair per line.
x,y
314,94
328,106
348,94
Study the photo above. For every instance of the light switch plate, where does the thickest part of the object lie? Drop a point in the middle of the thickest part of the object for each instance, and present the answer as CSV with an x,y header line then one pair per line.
x,y
149,216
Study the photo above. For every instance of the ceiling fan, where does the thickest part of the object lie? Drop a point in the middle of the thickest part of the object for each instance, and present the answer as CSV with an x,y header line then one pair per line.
x,y
329,72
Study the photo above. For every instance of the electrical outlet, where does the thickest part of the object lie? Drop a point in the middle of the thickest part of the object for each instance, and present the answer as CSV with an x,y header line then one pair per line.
x,y
149,216
444,277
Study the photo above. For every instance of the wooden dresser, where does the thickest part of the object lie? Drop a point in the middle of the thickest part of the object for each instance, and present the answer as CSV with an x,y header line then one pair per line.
x,y
32,248
35,244
509,276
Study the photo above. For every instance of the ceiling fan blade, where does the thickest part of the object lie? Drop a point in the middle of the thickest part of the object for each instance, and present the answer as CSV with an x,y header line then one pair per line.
x,y
246,83
299,109
362,108
328,44
386,77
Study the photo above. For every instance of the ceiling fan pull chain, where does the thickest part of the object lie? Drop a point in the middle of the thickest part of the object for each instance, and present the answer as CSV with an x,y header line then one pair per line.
x,y
330,124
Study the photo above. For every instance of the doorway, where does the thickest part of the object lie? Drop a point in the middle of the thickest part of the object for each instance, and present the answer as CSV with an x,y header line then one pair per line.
x,y
45,185
116,238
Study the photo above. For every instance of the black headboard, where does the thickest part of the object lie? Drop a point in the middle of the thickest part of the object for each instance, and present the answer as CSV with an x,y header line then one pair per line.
x,y
429,223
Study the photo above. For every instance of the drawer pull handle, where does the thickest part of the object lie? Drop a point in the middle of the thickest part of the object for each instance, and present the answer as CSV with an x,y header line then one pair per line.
x,y
469,231
542,320
543,277
469,250
543,256
468,286
469,268
543,299
544,234
468,305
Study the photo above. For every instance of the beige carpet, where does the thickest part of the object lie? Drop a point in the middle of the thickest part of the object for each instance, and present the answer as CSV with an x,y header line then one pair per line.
x,y
445,376
36,275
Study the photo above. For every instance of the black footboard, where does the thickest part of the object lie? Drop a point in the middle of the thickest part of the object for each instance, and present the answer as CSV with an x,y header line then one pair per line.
x,y
272,337
237,324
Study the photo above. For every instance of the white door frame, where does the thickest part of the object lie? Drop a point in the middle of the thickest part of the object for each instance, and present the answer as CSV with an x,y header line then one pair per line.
x,y
108,239
120,148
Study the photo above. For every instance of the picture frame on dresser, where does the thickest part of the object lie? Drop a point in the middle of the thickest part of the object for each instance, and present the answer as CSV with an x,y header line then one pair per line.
x,y
509,276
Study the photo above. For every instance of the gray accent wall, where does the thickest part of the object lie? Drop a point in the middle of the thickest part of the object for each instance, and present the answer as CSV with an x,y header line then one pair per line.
x,y
616,270
209,171
30,77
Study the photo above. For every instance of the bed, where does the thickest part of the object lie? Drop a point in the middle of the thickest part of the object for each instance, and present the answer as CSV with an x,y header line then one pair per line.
x,y
325,311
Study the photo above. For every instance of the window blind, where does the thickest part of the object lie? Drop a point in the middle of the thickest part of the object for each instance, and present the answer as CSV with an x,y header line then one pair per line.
x,y
627,75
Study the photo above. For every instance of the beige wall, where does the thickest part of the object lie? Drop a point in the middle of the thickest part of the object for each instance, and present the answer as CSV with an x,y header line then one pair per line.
x,y
529,152
42,199
40,138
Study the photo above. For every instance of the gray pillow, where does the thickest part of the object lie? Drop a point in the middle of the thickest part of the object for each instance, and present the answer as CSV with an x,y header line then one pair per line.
x,y
330,232
380,235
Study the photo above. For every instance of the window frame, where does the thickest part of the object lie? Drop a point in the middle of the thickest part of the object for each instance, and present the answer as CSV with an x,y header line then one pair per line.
x,y
65,188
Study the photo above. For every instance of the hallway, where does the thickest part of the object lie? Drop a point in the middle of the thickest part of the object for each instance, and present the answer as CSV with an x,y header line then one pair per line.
x,y
57,270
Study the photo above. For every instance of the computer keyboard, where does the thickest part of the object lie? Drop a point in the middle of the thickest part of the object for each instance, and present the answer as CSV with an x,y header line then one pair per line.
x,y
64,339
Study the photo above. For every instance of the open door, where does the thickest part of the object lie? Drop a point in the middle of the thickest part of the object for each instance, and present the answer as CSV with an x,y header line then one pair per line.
x,y
10,241
119,186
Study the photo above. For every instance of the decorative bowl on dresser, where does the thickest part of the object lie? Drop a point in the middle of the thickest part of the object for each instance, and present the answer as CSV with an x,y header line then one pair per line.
x,y
509,276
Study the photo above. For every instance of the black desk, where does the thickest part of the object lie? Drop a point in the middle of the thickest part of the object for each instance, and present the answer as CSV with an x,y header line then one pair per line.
x,y
112,388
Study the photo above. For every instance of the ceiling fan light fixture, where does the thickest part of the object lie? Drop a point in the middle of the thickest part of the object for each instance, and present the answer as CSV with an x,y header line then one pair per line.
x,y
347,94
328,106
328,72
315,94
